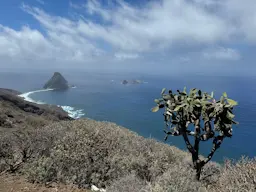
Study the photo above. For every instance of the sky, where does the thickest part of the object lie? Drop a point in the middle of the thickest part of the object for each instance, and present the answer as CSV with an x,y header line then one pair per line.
x,y
154,36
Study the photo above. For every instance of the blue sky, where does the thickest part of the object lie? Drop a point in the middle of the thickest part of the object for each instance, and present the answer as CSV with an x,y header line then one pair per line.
x,y
158,36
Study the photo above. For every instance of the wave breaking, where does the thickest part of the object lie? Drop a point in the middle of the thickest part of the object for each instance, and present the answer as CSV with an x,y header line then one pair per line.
x,y
72,112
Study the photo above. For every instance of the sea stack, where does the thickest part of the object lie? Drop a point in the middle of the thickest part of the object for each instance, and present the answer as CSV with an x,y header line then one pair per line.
x,y
124,82
136,82
57,82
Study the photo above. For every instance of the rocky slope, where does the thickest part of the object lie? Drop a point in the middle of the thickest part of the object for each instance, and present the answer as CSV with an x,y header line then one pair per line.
x,y
16,112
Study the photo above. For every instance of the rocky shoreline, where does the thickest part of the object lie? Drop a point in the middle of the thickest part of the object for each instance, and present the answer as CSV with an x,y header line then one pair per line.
x,y
16,112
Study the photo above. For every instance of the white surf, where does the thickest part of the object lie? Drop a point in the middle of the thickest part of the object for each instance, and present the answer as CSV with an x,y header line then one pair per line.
x,y
72,112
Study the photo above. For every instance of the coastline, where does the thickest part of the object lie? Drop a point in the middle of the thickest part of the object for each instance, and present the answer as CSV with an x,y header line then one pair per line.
x,y
72,112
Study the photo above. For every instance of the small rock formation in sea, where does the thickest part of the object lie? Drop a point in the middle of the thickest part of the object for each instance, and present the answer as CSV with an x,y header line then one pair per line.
x,y
57,82
136,82
124,82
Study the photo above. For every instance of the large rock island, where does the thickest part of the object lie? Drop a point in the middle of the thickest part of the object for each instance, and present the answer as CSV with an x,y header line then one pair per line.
x,y
57,82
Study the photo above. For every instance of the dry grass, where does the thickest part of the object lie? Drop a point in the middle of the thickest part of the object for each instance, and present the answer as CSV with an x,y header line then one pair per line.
x,y
237,176
86,152
12,183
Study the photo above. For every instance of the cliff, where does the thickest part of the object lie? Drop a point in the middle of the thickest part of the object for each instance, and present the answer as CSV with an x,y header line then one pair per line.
x,y
57,81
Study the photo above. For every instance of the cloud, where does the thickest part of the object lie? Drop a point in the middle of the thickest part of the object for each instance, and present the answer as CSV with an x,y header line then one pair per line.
x,y
24,43
155,27
123,56
118,31
31,44
221,53
184,59
40,1
242,16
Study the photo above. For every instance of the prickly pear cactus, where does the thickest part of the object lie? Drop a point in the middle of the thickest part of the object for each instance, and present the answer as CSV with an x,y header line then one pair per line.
x,y
199,109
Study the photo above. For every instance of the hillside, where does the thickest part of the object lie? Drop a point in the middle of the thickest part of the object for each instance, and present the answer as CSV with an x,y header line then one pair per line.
x,y
15,112
17,183
87,152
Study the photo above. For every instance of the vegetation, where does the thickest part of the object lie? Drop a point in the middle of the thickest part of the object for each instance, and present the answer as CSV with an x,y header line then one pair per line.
x,y
86,152
203,112
45,147
18,183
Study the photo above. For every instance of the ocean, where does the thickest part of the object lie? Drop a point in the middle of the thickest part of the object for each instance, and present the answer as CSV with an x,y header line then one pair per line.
x,y
102,97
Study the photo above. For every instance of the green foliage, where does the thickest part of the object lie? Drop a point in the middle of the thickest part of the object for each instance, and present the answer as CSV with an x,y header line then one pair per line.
x,y
182,109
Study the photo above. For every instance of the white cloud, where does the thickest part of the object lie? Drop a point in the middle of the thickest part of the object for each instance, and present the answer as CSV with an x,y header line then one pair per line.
x,y
23,43
157,26
31,44
40,1
184,59
123,56
221,53
94,6
129,32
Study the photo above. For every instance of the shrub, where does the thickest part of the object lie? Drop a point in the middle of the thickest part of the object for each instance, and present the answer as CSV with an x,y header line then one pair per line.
x,y
22,145
99,153
10,158
35,121
129,183
237,176
86,152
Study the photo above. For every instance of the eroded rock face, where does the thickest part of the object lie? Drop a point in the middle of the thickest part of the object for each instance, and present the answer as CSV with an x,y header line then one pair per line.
x,y
57,82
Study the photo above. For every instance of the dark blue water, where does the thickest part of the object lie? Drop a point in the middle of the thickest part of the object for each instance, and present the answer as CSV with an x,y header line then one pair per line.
x,y
130,106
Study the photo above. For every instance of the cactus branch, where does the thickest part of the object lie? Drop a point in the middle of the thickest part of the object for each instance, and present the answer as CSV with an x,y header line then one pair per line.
x,y
215,145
